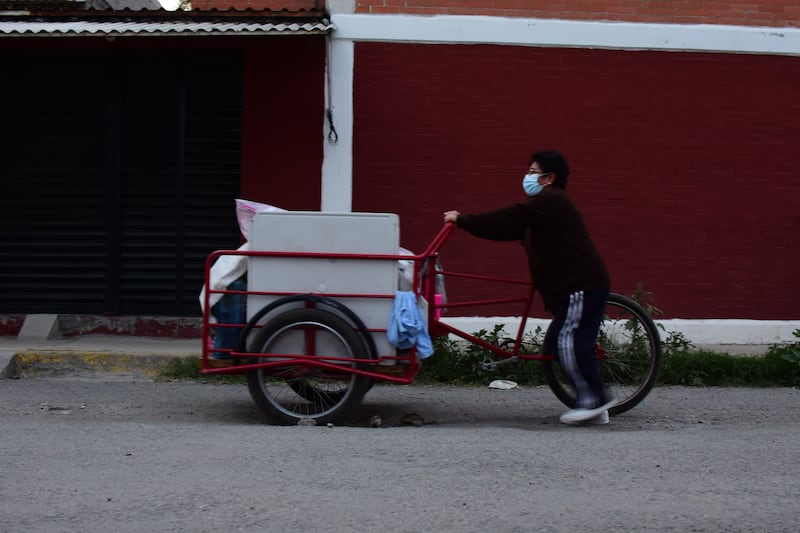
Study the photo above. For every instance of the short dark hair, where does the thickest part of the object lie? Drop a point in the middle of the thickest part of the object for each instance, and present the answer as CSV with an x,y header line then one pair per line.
x,y
552,161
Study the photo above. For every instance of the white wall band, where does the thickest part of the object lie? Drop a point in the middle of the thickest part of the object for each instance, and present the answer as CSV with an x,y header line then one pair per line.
x,y
457,29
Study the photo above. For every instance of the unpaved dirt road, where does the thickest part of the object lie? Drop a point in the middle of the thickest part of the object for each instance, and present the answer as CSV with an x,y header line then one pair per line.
x,y
99,454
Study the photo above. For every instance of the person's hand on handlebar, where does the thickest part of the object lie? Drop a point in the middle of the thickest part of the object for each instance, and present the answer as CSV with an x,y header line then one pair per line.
x,y
451,216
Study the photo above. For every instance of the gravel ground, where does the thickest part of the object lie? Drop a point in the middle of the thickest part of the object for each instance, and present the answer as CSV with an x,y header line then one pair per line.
x,y
92,454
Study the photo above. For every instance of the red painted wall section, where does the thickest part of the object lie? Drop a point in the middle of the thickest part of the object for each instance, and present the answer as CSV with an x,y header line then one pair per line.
x,y
777,13
684,165
282,124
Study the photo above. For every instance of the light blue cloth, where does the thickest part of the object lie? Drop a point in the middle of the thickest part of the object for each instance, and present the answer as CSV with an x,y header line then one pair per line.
x,y
407,325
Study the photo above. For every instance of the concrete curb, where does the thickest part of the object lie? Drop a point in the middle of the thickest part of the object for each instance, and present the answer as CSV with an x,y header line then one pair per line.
x,y
37,364
100,355
8,365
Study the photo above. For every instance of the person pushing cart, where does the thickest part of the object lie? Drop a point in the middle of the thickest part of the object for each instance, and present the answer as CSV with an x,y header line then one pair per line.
x,y
566,269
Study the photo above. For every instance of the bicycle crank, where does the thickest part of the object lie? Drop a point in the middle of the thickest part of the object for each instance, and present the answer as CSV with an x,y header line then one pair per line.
x,y
492,366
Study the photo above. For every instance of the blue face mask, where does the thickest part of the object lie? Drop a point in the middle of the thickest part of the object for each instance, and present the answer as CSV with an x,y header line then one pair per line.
x,y
531,185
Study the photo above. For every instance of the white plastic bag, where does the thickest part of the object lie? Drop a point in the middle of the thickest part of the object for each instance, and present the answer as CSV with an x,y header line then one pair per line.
x,y
503,384
229,268
405,271
226,270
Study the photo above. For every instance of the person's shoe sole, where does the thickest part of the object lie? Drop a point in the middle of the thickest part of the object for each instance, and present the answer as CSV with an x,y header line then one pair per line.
x,y
581,416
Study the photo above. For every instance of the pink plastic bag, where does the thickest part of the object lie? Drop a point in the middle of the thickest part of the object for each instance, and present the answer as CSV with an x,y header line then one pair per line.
x,y
246,211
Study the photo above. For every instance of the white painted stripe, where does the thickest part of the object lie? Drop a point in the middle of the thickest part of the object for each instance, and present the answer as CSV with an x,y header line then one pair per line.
x,y
701,332
453,29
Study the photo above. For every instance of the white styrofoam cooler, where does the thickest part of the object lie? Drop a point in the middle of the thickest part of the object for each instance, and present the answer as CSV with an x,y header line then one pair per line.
x,y
312,231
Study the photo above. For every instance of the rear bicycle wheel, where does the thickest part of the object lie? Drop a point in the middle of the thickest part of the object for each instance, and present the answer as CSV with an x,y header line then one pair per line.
x,y
628,352
296,391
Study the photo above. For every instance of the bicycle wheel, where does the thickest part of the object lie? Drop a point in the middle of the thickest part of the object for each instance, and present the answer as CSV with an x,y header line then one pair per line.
x,y
629,354
296,391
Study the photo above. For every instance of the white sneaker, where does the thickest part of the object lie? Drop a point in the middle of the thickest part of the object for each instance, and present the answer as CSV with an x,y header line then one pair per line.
x,y
599,420
581,416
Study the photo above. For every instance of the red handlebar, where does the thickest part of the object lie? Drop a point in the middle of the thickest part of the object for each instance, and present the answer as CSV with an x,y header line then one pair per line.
x,y
440,239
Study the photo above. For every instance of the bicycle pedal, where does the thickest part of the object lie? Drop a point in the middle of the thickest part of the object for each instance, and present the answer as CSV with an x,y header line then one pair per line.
x,y
491,366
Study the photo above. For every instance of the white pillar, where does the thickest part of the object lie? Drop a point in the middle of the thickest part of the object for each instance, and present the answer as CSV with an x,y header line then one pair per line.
x,y
337,164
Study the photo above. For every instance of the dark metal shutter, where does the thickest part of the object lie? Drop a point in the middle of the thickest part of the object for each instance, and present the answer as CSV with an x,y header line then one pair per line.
x,y
53,220
122,168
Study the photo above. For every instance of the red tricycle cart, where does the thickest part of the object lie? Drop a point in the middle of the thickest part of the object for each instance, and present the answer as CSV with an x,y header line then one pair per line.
x,y
315,338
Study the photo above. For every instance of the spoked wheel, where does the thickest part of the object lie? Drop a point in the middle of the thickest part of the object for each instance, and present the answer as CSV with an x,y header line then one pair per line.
x,y
629,353
299,391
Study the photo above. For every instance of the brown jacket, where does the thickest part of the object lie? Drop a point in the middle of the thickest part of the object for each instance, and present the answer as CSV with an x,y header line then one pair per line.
x,y
561,256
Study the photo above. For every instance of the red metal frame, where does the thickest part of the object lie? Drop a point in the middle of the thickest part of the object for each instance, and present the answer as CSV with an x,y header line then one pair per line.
x,y
369,367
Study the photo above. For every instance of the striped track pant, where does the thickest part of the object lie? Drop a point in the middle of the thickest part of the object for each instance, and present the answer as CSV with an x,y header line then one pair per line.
x,y
573,335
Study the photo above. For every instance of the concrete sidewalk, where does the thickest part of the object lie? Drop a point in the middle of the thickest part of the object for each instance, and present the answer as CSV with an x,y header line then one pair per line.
x,y
104,354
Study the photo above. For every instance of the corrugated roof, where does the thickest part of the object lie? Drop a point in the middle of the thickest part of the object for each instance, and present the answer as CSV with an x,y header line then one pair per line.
x,y
257,5
49,5
56,6
161,27
117,5
53,6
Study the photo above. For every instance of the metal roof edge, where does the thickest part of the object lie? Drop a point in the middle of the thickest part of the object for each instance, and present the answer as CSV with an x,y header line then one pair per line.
x,y
140,27
130,12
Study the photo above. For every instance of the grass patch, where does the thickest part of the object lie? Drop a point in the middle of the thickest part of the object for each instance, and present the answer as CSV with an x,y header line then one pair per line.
x,y
455,363
681,364
779,367
188,369
709,369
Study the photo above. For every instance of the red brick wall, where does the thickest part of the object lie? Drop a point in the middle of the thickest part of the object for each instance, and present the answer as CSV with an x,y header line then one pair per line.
x,y
282,125
758,13
684,164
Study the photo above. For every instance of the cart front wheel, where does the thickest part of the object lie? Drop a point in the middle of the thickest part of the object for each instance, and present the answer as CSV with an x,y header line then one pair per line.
x,y
302,390
628,352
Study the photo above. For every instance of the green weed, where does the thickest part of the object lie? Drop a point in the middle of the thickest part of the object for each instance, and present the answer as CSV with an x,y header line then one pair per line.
x,y
456,362
188,368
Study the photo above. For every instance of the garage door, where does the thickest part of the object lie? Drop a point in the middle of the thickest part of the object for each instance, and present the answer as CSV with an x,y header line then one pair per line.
x,y
119,173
